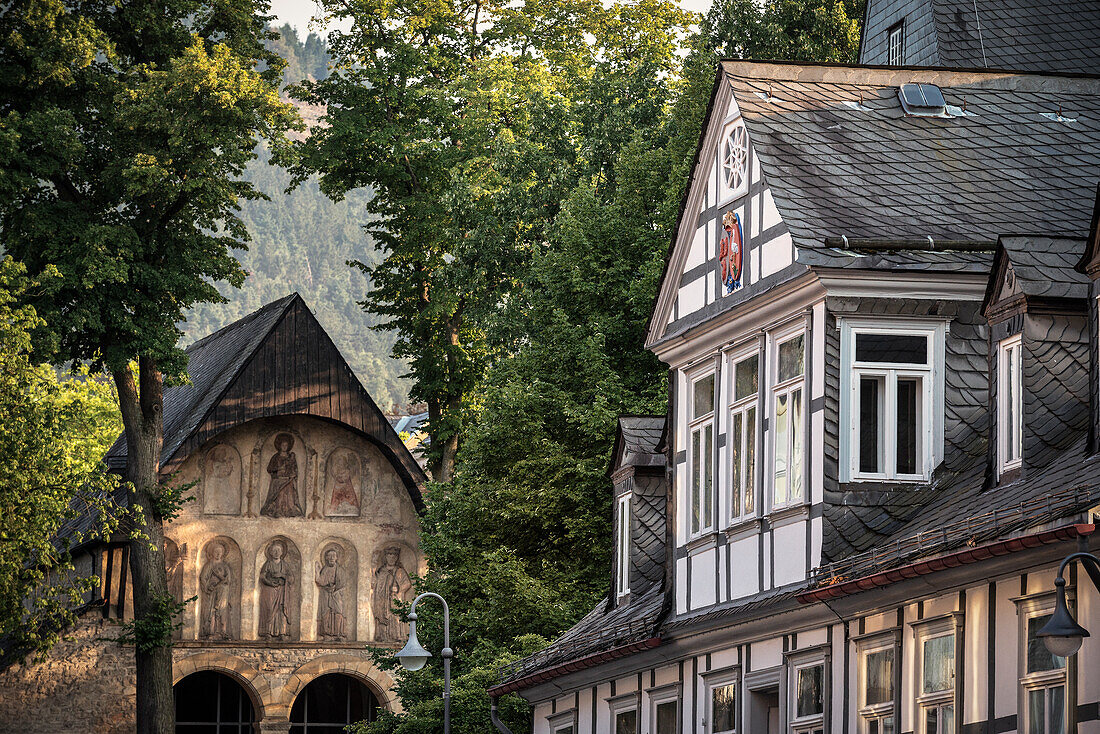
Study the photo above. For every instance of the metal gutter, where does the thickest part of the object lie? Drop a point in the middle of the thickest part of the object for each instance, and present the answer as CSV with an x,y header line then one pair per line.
x,y
588,661
951,560
928,244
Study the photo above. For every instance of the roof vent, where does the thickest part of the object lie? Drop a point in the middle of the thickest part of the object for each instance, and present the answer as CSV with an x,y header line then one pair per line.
x,y
924,100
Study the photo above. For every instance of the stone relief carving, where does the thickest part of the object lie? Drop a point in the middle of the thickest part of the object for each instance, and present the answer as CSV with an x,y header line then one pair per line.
x,y
343,480
336,581
279,591
221,481
283,494
173,565
391,585
220,590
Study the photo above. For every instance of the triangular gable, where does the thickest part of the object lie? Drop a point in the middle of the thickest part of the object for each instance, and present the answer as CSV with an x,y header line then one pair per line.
x,y
1090,261
1003,284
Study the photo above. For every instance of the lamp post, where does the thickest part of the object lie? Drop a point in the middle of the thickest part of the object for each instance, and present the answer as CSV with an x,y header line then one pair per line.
x,y
1061,634
414,657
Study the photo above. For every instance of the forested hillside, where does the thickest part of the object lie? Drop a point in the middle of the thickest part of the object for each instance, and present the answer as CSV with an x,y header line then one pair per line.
x,y
301,242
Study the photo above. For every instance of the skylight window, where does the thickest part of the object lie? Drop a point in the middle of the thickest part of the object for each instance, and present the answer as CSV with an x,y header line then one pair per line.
x,y
925,100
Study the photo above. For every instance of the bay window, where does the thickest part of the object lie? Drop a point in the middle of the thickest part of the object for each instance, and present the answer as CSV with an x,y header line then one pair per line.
x,y
701,455
742,437
1009,405
787,426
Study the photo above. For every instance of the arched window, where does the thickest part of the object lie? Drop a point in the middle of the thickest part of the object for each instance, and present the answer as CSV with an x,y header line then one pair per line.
x,y
208,702
331,702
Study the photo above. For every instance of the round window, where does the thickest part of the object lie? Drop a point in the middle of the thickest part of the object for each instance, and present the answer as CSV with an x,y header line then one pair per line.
x,y
735,158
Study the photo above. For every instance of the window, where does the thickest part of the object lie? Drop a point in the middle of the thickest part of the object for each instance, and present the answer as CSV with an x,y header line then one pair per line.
x,y
735,159
890,395
626,722
1009,405
742,437
1042,674
665,704
622,547
876,685
936,679
723,708
564,722
701,454
787,420
895,44
624,713
808,704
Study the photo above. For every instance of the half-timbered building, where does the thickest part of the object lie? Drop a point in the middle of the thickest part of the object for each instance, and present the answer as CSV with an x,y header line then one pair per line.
x,y
301,533
879,316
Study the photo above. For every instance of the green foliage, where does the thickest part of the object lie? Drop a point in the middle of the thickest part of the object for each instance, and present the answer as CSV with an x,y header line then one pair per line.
x,y
53,433
155,628
792,30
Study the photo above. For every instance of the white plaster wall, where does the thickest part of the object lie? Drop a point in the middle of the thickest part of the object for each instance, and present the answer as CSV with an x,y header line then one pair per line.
x,y
790,553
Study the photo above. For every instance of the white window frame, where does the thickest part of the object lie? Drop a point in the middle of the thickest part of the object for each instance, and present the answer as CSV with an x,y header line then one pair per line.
x,y
563,721
776,390
622,546
948,625
734,129
742,407
721,679
699,425
1029,608
625,704
884,710
895,44
1010,418
659,697
809,723
931,375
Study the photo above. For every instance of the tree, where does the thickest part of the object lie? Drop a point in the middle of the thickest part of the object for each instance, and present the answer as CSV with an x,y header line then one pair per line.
x,y
791,30
124,131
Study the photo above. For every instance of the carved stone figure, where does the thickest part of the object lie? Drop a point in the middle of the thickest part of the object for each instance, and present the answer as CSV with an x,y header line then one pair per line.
x,y
221,481
277,593
173,566
216,586
282,495
332,580
391,584
343,484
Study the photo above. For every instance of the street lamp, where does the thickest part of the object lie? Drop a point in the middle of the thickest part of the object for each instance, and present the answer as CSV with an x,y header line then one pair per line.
x,y
1061,634
414,657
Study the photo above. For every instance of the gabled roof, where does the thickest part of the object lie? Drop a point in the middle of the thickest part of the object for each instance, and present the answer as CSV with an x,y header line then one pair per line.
x,y
1037,267
843,160
275,361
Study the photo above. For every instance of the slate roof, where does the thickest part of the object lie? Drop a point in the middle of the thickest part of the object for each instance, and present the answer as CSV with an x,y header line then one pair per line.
x,y
843,160
1031,35
1046,266
638,441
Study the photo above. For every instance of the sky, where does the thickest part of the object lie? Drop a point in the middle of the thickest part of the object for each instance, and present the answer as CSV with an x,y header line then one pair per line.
x,y
299,12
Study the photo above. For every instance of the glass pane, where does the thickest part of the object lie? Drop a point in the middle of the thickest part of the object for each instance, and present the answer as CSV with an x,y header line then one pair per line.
x,y
879,677
810,695
892,348
696,457
791,358
888,725
939,664
947,715
1012,421
796,445
750,461
1057,703
931,721
736,469
1036,702
1039,658
708,476
745,378
722,708
703,397
666,718
870,424
781,449
908,428
872,726
626,722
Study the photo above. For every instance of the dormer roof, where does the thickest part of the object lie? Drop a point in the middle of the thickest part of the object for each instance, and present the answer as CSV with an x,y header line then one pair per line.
x,y
1036,267
638,442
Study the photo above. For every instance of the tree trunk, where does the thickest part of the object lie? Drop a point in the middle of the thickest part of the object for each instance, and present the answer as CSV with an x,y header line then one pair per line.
x,y
142,419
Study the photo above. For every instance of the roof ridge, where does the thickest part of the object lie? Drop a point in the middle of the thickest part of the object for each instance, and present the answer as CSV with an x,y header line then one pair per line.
x,y
247,318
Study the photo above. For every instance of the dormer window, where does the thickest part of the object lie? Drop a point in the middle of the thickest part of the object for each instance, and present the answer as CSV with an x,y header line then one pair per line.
x,y
1010,431
701,455
622,547
890,388
895,44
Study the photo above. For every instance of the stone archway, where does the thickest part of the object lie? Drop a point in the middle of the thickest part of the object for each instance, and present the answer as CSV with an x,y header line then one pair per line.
x,y
253,682
379,682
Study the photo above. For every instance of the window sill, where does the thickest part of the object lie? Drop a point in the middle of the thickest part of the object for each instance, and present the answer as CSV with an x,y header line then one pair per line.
x,y
743,529
702,543
788,515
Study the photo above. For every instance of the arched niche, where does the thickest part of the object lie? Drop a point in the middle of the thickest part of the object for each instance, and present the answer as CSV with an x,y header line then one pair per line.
x,y
336,583
393,563
346,487
174,567
279,591
210,700
330,702
221,480
283,475
220,590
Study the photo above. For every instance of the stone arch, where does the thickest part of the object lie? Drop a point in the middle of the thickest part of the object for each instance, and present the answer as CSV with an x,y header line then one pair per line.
x,y
253,681
378,681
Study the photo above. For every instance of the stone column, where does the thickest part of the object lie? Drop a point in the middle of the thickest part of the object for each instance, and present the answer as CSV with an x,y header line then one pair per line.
x,y
274,726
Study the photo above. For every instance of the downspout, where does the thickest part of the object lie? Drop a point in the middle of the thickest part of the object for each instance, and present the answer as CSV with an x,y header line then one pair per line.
x,y
501,727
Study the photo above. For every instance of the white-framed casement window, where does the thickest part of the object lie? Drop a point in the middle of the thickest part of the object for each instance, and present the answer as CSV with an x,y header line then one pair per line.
x,y
895,44
701,455
564,722
622,546
891,399
787,418
877,661
1010,405
807,704
743,430
722,711
664,704
624,714
733,169
936,661
1043,675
